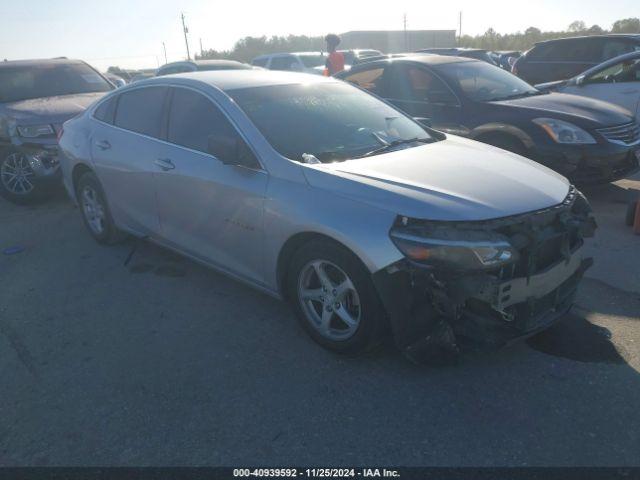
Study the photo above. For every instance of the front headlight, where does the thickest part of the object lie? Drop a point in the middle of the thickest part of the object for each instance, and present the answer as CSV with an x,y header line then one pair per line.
x,y
455,249
564,132
33,131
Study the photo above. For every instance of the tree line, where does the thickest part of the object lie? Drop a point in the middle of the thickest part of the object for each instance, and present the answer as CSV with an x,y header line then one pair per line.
x,y
248,48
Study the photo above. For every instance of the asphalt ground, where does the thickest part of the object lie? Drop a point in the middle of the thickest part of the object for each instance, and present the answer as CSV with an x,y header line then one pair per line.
x,y
164,362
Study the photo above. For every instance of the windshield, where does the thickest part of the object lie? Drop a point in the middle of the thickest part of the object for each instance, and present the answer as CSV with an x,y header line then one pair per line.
x,y
311,61
331,121
49,80
482,82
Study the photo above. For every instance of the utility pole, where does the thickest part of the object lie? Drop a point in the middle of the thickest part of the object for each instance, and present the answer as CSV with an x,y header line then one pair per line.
x,y
460,29
201,50
185,30
406,45
164,47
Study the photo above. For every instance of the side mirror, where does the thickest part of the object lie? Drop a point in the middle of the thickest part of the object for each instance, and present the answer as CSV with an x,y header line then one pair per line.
x,y
224,148
425,122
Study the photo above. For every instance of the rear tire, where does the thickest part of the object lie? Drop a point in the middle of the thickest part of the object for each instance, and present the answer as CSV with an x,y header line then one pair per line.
x,y
17,179
334,298
95,210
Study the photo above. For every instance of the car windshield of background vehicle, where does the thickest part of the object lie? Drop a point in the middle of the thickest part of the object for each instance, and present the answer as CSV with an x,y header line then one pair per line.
x,y
331,121
483,82
38,81
311,61
628,71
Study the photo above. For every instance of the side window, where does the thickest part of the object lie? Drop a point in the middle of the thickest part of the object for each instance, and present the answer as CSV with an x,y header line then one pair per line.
x,y
371,80
628,71
418,84
194,120
260,62
283,63
141,110
584,50
106,110
615,48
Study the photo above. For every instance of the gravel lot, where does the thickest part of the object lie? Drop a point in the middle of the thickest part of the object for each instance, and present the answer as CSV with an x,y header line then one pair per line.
x,y
164,362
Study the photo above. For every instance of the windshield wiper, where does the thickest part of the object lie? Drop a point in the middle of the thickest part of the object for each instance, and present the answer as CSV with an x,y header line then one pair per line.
x,y
395,143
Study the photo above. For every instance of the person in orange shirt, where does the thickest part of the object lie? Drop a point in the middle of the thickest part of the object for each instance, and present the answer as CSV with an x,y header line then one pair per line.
x,y
335,60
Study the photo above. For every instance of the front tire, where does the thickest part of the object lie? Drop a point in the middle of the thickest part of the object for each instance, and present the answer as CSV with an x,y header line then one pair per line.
x,y
17,179
334,298
95,210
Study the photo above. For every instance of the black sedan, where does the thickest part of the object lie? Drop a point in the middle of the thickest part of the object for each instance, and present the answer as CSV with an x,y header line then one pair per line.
x,y
587,140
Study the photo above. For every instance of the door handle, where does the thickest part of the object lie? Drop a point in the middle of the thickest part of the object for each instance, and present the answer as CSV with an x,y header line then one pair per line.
x,y
103,145
165,164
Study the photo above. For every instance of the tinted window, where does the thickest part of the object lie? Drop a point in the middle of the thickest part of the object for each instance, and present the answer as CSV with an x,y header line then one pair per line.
x,y
411,82
141,110
106,110
579,50
615,48
193,119
260,62
483,82
331,121
283,63
371,80
49,80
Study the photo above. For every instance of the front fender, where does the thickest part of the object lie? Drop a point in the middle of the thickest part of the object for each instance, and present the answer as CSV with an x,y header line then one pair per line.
x,y
502,129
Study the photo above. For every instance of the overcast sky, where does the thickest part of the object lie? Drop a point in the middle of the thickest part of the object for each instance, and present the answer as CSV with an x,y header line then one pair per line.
x,y
130,33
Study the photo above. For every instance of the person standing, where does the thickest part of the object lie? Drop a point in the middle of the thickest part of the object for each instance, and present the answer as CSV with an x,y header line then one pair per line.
x,y
335,60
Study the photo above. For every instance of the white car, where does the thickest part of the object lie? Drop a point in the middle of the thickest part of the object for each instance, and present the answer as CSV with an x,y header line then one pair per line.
x,y
616,81
305,62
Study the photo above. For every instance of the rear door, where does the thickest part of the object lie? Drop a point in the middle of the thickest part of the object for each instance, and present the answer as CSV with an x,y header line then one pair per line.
x,y
418,91
209,209
124,149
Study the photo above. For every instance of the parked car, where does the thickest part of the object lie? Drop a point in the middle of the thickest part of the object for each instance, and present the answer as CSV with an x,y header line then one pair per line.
x,y
567,57
316,192
115,79
616,81
200,65
584,139
507,59
36,97
476,53
142,76
354,57
306,62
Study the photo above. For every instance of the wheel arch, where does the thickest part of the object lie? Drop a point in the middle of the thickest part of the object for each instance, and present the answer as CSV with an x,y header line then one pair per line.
x,y
292,245
501,130
78,170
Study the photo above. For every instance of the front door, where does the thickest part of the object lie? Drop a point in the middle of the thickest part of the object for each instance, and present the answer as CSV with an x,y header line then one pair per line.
x,y
209,209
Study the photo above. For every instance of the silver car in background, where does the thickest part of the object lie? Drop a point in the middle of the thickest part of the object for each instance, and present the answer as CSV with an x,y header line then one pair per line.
x,y
314,191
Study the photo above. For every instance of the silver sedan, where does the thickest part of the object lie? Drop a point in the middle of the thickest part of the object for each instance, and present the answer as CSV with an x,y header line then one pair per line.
x,y
321,194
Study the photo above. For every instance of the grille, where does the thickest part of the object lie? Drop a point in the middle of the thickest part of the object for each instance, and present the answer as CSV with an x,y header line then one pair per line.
x,y
626,134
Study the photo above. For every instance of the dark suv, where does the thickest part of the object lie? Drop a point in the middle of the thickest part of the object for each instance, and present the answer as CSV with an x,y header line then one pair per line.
x,y
567,57
36,98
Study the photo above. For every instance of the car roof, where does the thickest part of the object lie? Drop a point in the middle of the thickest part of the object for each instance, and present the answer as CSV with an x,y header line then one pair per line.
x,y
633,36
43,61
227,80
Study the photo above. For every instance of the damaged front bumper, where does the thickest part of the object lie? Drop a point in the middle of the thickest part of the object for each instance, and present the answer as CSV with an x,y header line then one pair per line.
x,y
433,310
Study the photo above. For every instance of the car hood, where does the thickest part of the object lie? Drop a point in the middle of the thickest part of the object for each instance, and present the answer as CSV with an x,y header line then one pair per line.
x,y
452,180
54,110
596,112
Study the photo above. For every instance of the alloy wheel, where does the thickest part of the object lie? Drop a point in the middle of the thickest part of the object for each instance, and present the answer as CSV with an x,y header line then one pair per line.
x,y
93,209
329,300
16,174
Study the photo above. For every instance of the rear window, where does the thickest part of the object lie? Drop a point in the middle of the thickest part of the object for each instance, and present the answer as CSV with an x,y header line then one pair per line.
x,y
106,110
49,80
140,110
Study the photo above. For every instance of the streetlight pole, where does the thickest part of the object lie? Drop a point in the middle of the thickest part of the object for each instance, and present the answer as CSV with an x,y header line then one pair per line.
x,y
164,47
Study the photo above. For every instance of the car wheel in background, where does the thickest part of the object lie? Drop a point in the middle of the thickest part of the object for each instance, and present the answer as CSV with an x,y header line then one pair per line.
x,y
17,178
95,211
511,144
334,298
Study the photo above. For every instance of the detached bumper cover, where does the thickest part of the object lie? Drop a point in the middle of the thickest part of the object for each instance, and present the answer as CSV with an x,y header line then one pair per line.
x,y
433,311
